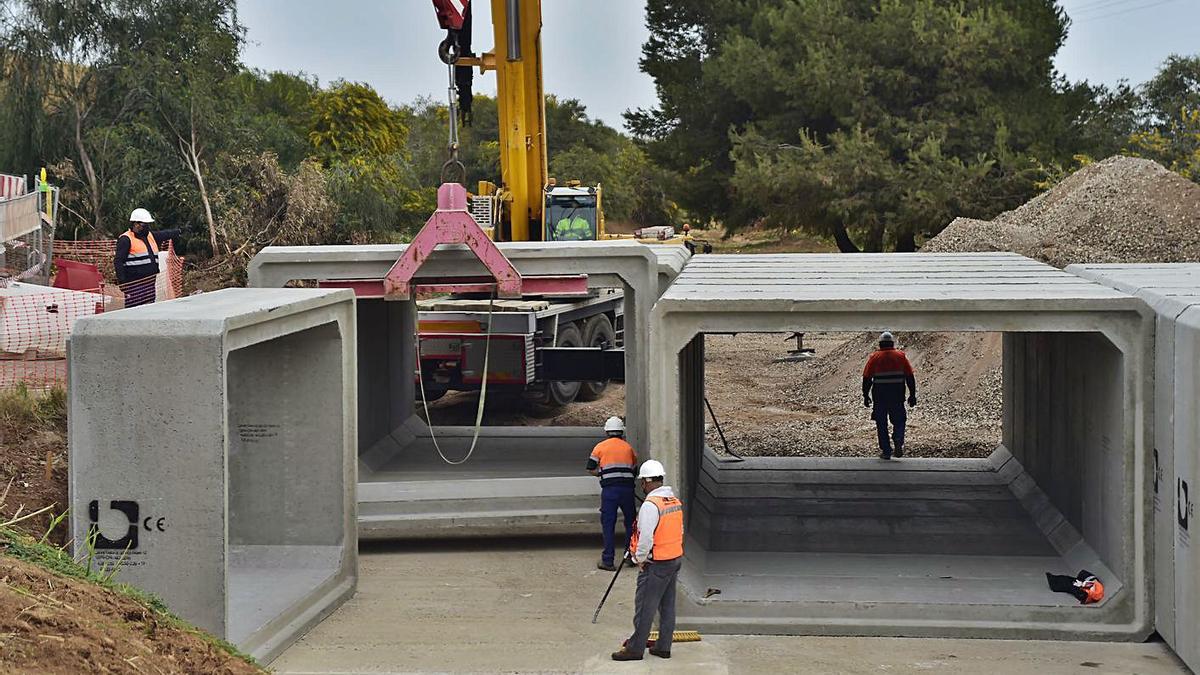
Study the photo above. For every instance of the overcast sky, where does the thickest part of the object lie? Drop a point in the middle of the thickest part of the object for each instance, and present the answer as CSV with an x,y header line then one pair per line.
x,y
592,47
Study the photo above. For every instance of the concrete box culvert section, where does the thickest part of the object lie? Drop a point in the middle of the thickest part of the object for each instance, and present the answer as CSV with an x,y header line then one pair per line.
x,y
520,480
212,457
1173,292
954,548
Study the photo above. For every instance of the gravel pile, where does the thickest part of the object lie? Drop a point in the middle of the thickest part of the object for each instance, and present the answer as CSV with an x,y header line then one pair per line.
x,y
1119,210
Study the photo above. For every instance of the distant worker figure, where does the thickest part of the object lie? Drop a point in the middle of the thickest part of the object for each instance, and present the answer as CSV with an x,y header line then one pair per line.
x,y
614,460
888,371
657,549
136,261
573,229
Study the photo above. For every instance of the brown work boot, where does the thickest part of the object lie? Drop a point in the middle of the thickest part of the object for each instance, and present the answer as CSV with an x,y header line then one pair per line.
x,y
660,654
626,654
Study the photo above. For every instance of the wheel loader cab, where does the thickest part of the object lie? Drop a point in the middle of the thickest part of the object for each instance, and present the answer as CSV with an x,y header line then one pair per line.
x,y
572,214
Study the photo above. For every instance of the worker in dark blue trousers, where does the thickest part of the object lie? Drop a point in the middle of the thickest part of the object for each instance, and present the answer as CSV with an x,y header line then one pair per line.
x,y
887,373
613,461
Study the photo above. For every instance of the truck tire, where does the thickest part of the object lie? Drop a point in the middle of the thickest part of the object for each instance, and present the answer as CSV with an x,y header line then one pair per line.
x,y
562,393
597,332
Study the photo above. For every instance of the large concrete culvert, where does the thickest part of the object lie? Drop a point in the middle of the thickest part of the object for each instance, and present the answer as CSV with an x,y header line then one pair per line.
x,y
931,547
520,480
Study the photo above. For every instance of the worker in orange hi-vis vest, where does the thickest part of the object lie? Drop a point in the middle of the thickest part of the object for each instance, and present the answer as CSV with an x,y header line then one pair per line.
x,y
887,373
613,461
657,549
136,260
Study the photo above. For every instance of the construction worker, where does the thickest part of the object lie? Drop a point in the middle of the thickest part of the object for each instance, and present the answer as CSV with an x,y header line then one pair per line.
x,y
573,229
613,461
887,373
657,550
136,261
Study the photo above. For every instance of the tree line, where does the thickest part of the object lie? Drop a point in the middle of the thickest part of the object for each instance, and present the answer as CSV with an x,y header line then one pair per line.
x,y
876,122
148,104
871,122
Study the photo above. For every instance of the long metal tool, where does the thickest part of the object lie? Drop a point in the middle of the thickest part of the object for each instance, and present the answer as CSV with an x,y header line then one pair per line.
x,y
616,574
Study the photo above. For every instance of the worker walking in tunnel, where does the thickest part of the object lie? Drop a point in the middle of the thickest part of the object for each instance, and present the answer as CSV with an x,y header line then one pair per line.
x,y
614,460
886,375
136,259
657,550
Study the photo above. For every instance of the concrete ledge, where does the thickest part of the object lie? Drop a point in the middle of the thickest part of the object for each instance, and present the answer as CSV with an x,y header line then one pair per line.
x,y
223,482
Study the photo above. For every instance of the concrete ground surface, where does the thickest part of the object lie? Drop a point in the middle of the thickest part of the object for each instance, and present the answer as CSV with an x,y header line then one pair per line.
x,y
509,605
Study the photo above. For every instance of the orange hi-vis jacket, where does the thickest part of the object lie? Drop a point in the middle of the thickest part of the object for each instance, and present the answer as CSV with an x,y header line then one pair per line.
x,y
887,371
615,460
668,534
139,254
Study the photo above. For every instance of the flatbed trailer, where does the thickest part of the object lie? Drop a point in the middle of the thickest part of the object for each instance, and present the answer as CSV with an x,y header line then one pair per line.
x,y
525,337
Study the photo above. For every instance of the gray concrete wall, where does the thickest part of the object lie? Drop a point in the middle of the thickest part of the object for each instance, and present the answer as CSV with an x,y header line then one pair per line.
x,y
280,460
1173,292
386,364
218,432
1065,420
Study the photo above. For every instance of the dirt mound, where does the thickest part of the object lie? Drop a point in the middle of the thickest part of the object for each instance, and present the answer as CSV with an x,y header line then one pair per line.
x,y
772,407
1119,210
59,623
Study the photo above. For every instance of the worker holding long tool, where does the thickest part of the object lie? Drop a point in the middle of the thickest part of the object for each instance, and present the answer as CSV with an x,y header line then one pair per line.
x,y
887,373
657,550
613,461
136,259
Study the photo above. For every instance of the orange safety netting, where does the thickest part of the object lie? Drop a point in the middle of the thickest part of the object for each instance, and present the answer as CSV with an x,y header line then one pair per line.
x,y
36,320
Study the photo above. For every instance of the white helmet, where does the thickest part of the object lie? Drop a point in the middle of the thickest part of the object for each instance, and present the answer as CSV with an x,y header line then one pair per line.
x,y
614,424
651,468
140,216
887,337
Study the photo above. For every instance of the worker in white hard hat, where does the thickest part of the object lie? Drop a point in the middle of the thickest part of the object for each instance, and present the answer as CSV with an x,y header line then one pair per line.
x,y
657,550
136,261
887,373
613,461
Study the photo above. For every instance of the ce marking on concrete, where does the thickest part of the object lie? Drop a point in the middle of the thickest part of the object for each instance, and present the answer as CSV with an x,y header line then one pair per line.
x,y
159,524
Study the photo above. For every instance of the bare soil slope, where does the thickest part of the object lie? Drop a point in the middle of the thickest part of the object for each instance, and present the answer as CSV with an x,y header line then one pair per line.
x,y
56,623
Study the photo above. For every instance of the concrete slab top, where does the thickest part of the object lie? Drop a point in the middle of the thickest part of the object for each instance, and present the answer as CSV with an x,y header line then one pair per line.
x,y
1169,287
211,313
929,282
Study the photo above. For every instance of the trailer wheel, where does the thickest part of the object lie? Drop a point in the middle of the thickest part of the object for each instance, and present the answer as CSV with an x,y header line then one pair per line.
x,y
562,393
597,332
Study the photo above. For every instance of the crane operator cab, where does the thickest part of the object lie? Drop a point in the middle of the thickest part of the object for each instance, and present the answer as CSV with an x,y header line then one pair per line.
x,y
572,213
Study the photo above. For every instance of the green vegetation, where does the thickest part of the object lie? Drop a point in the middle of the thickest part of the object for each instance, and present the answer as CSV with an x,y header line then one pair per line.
x,y
871,123
21,408
875,122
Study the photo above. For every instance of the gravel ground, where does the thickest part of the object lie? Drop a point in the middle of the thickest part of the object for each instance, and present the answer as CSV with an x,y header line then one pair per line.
x,y
814,408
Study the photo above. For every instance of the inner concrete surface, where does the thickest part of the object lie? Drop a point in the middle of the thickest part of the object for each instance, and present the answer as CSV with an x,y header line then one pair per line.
x,y
511,605
519,480
919,547
1173,291
231,496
